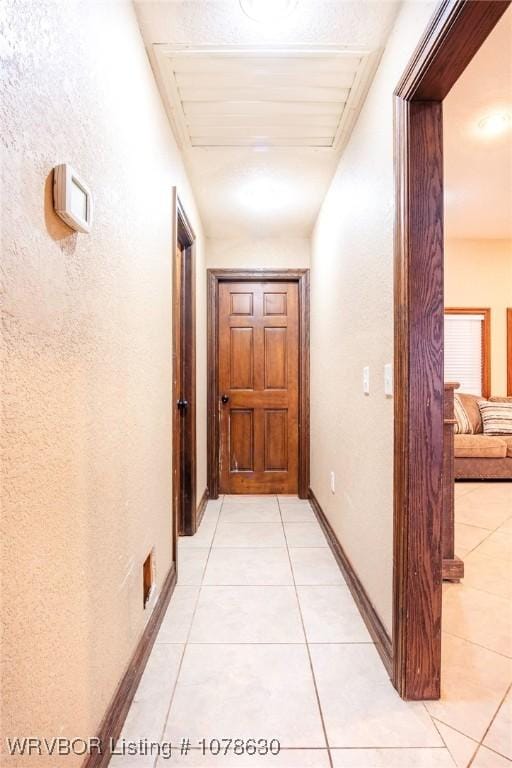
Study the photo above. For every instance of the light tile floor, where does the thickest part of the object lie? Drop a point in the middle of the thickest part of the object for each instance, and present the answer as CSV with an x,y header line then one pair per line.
x,y
263,640
476,704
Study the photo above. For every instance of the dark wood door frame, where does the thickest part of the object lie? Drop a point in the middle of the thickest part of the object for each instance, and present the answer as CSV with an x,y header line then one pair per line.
x,y
184,374
301,277
455,33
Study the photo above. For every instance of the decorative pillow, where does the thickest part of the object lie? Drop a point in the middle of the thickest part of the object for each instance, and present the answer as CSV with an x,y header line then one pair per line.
x,y
497,418
468,419
500,399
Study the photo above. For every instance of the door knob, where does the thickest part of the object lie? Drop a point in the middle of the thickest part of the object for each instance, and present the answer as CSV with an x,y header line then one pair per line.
x,y
225,399
182,405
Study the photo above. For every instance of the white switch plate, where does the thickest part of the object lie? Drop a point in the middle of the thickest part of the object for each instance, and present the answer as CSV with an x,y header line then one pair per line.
x,y
333,482
388,380
366,380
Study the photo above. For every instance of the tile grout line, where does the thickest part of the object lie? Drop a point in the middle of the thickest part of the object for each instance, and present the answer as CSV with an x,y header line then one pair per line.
x,y
470,490
317,695
210,547
166,721
472,525
491,533
495,529
484,591
434,723
493,718
457,730
478,645
436,720
162,734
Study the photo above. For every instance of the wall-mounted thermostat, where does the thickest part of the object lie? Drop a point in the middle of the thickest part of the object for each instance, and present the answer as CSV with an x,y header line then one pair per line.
x,y
72,198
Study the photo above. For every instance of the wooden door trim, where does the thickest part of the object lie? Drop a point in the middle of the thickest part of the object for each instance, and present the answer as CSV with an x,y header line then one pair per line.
x,y
486,341
184,386
455,33
215,277
509,351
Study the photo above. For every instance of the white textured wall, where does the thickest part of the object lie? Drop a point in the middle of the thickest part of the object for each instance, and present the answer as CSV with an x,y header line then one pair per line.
x,y
352,326
271,252
478,273
86,455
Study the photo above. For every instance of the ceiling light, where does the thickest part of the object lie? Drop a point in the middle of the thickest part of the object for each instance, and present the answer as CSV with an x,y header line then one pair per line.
x,y
267,10
495,124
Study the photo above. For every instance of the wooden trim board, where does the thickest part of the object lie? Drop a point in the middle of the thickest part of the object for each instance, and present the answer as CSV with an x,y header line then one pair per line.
x,y
301,277
201,507
369,615
115,716
455,33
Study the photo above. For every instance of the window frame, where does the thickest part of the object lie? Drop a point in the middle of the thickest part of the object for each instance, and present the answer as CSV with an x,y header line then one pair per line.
x,y
486,341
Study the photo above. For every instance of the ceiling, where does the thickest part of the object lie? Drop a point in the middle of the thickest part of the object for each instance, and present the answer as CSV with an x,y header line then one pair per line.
x,y
478,167
262,111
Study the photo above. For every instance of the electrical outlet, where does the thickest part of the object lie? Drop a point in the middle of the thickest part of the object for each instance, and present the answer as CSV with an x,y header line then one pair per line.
x,y
333,482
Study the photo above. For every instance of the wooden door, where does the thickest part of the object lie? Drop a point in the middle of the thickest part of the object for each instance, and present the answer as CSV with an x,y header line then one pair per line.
x,y
178,432
258,369
184,417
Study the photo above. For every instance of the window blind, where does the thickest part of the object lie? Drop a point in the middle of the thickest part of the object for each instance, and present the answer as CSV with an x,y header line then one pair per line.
x,y
463,359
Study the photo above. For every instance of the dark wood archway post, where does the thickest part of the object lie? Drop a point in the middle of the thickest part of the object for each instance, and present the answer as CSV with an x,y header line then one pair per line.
x,y
454,35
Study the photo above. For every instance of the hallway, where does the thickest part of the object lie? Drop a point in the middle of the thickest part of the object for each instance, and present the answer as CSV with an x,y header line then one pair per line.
x,y
213,286
263,640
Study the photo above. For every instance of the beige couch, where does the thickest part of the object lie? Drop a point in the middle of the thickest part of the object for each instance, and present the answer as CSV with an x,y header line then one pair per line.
x,y
479,456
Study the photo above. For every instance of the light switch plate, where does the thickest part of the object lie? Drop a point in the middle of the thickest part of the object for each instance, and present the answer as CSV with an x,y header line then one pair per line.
x,y
333,482
388,380
366,380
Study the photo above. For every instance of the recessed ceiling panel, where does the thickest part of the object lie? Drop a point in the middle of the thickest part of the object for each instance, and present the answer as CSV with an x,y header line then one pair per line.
x,y
256,98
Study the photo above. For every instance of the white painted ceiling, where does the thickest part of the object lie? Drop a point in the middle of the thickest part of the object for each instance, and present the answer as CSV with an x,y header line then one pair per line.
x,y
478,169
262,111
